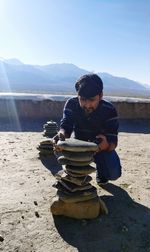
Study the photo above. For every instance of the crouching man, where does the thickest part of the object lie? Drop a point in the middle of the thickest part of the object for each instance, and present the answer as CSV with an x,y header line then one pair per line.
x,y
93,119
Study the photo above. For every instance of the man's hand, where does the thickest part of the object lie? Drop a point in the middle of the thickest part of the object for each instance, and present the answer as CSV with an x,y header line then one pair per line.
x,y
103,145
60,136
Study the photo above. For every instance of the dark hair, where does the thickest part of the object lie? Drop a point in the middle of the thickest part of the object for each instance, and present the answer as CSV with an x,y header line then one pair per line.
x,y
89,85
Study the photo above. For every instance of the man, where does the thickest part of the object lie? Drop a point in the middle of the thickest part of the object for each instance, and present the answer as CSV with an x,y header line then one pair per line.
x,y
93,119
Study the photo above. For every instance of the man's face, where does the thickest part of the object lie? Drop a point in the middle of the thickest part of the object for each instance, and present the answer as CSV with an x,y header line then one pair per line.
x,y
90,104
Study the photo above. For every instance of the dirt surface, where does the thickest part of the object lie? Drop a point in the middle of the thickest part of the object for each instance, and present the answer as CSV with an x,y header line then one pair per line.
x,y
26,223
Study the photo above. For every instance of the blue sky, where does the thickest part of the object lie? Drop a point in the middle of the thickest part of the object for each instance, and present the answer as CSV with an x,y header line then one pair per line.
x,y
98,35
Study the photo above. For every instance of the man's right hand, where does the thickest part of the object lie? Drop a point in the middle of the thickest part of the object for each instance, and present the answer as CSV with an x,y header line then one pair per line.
x,y
60,136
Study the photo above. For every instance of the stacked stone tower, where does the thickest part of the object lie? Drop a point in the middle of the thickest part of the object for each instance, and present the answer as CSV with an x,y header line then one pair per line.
x,y
46,147
50,129
76,196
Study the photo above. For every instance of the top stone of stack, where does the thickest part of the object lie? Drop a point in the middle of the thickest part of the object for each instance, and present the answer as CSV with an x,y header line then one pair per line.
x,y
75,145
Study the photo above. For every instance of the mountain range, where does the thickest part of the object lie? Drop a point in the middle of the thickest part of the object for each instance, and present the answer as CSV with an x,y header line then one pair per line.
x,y
16,76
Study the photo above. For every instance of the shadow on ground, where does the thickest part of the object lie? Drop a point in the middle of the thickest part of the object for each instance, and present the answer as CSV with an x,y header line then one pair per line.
x,y
51,163
135,126
125,228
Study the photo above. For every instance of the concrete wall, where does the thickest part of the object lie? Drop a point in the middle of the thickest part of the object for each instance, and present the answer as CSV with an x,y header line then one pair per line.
x,y
35,107
133,110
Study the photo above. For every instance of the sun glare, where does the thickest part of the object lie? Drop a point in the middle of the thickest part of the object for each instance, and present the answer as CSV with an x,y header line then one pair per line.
x,y
12,110
2,8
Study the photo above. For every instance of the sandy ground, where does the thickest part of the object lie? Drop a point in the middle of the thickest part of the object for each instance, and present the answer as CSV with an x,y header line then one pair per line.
x,y
26,223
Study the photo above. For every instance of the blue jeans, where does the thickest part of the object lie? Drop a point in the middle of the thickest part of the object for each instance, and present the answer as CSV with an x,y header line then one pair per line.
x,y
108,165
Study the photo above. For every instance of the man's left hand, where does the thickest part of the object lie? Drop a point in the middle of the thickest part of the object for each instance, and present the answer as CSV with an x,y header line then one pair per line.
x,y
103,145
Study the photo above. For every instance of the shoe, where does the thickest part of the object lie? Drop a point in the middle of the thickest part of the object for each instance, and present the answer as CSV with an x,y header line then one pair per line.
x,y
102,181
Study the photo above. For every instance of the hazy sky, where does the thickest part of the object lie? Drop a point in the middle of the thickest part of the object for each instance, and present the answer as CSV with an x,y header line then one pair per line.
x,y
98,35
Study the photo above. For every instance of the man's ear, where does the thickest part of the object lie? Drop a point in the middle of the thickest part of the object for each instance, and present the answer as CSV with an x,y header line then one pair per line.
x,y
78,96
101,95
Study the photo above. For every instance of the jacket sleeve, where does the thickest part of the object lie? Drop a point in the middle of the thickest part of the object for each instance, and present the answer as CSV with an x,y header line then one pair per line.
x,y
111,127
67,121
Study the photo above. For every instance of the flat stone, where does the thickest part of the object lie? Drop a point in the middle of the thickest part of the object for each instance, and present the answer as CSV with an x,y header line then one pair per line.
x,y
77,196
78,156
88,209
85,170
51,122
73,187
45,131
75,145
49,134
50,126
46,152
75,175
50,130
63,161
45,147
61,188
77,181
47,142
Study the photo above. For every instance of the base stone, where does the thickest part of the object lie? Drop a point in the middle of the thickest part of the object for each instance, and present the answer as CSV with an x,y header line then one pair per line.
x,y
88,209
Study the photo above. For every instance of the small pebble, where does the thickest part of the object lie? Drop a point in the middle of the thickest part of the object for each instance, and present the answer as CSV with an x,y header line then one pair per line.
x,y
1,239
35,203
37,214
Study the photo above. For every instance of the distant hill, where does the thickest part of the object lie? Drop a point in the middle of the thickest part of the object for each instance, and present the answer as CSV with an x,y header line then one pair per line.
x,y
59,79
12,61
